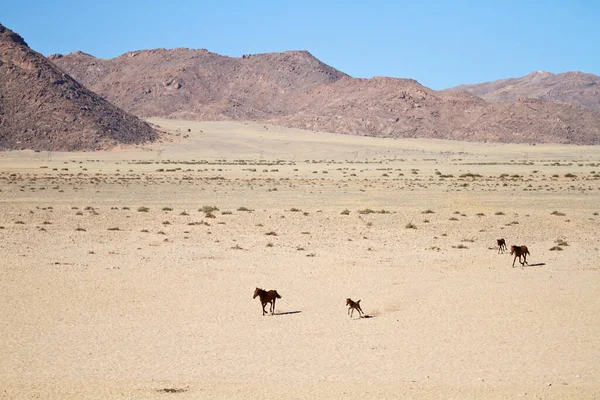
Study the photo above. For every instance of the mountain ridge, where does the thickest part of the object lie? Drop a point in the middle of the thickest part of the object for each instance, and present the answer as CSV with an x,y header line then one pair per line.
x,y
296,89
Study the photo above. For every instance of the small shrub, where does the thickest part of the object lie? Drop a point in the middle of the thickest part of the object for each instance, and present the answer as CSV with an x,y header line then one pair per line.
x,y
271,233
499,213
556,248
570,175
347,212
208,209
410,225
428,212
294,209
114,229
143,209
558,213
244,209
366,211
167,209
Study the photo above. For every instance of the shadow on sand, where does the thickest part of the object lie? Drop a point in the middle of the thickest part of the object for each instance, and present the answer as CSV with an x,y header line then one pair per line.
x,y
532,265
287,313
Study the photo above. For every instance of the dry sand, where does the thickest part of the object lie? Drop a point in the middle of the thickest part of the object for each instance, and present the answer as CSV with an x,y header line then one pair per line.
x,y
165,302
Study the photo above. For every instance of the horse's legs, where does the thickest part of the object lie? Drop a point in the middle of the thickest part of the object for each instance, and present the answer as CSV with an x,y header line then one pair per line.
x,y
263,307
515,259
273,306
349,310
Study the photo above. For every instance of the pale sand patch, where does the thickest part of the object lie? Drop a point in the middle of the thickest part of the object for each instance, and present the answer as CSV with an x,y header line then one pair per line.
x,y
99,313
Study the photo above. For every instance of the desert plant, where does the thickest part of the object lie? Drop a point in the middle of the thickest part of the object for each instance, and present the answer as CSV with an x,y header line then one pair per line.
x,y
143,209
208,209
366,211
410,225
345,212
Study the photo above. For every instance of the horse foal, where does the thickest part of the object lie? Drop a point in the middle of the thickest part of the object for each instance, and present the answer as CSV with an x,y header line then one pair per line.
x,y
267,297
501,245
354,305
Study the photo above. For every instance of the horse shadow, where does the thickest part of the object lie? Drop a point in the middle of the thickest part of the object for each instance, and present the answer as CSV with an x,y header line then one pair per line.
x,y
533,265
287,312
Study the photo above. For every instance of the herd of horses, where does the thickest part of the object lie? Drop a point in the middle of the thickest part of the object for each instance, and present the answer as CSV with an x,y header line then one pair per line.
x,y
270,296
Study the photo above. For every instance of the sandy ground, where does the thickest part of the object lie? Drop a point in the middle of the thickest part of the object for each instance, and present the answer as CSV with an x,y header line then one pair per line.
x,y
101,298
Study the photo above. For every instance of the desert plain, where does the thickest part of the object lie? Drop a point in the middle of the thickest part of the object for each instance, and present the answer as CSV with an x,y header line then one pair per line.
x,y
130,273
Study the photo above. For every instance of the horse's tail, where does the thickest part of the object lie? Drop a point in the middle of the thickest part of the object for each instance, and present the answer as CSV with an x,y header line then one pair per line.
x,y
527,251
358,302
277,295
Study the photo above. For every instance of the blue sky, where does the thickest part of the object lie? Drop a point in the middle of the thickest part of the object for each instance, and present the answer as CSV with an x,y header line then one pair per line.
x,y
439,43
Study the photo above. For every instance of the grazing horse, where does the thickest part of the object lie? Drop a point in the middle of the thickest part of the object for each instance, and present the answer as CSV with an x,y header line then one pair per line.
x,y
267,297
519,251
501,245
354,305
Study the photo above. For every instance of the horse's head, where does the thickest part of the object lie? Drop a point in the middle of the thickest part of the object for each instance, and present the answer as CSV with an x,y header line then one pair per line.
x,y
256,291
513,248
348,301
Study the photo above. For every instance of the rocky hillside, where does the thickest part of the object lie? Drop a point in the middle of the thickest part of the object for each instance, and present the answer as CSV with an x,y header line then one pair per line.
x,y
197,84
295,89
574,88
389,107
43,108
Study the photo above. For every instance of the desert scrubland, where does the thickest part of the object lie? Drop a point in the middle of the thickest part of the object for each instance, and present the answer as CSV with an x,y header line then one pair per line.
x,y
130,273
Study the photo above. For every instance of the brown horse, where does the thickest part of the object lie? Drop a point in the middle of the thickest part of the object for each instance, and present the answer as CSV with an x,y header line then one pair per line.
x,y
519,251
354,305
501,245
267,297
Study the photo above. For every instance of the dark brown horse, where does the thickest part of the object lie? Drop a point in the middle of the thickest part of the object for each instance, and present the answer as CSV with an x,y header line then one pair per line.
x,y
519,251
501,245
267,297
354,305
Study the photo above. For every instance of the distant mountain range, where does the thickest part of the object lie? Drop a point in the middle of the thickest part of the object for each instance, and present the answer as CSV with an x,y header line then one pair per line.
x,y
574,88
43,108
297,90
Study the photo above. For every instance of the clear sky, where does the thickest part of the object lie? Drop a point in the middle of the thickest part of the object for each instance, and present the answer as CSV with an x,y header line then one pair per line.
x,y
439,43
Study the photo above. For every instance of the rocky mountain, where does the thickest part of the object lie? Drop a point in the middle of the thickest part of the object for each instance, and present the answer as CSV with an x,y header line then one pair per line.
x,y
43,108
297,90
389,107
574,88
198,84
